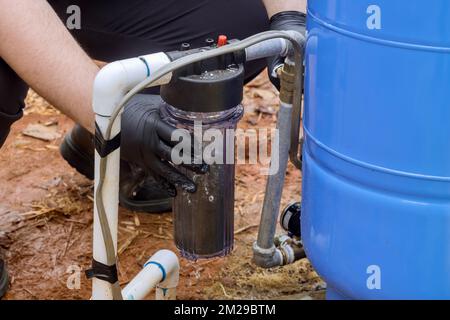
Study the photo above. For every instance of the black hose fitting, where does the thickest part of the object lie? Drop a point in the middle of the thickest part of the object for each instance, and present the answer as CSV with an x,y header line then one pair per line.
x,y
290,219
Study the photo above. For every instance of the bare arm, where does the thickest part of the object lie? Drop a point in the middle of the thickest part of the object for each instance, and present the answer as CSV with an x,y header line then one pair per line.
x,y
275,6
35,43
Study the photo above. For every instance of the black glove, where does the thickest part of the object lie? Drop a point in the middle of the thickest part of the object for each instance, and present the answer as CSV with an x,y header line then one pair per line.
x,y
283,21
146,142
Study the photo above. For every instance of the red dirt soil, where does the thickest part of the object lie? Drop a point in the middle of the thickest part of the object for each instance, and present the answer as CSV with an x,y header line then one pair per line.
x,y
46,221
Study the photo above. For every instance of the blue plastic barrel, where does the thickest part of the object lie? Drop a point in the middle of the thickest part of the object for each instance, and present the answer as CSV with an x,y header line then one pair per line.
x,y
376,158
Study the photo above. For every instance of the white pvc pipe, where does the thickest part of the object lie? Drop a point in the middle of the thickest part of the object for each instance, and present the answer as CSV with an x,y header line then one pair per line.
x,y
101,290
111,85
162,271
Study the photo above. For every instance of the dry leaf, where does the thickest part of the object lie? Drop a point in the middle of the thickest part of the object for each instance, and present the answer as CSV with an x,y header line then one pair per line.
x,y
137,223
267,110
41,132
264,94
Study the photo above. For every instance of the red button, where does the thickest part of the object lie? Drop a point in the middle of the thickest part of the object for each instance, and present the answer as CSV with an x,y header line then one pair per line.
x,y
222,41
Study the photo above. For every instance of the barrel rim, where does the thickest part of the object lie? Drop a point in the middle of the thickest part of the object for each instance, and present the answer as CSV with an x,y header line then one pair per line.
x,y
379,41
372,167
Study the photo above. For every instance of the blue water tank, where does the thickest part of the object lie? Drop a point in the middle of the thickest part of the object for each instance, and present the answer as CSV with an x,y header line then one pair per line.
x,y
376,157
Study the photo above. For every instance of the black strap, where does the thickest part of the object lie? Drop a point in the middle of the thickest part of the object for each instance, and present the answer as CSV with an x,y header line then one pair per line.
x,y
103,272
105,147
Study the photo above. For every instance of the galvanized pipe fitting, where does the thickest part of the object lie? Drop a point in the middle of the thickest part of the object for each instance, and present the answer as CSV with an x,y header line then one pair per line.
x,y
265,253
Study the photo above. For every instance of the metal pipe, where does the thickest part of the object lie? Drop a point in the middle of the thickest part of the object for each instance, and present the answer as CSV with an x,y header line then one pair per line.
x,y
295,151
291,249
265,253
274,189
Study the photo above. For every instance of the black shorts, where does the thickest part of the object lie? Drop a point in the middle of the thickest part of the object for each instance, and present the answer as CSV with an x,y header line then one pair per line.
x,y
118,29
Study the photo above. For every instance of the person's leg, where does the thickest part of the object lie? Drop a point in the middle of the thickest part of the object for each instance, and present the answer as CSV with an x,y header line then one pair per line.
x,y
12,99
4,279
117,29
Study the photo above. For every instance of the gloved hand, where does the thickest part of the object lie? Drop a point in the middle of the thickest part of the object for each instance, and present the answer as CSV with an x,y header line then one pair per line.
x,y
283,21
146,142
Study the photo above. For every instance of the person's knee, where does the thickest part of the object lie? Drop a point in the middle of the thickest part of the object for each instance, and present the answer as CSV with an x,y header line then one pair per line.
x,y
237,19
248,17
242,19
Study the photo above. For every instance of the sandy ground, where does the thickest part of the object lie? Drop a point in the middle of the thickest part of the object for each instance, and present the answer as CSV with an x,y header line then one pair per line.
x,y
46,221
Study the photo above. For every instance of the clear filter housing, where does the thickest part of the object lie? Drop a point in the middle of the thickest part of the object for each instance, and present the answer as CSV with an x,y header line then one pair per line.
x,y
204,221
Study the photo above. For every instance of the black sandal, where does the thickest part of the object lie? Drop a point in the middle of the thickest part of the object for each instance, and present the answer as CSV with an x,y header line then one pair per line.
x,y
138,191
4,279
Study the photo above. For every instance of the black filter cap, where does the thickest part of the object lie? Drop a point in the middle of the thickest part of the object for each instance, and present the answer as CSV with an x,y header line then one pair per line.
x,y
212,85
